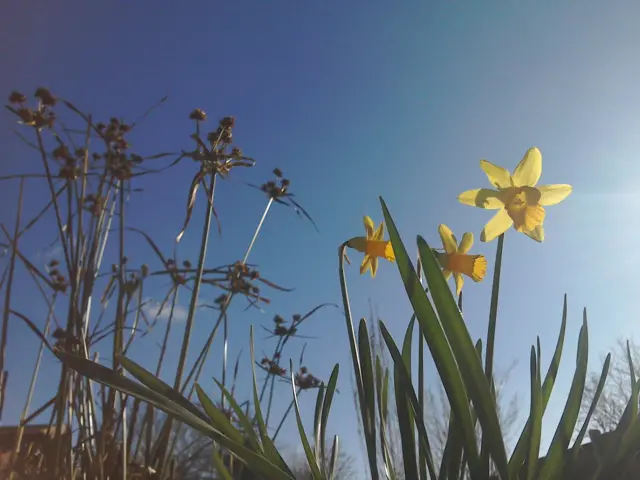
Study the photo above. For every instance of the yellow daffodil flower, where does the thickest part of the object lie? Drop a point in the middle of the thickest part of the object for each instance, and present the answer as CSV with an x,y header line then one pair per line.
x,y
456,261
373,246
518,200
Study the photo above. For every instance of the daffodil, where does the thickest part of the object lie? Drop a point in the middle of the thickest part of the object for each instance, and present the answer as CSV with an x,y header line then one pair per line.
x,y
456,261
518,200
373,246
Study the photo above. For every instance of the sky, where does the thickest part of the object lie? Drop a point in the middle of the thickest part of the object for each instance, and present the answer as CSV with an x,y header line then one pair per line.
x,y
352,101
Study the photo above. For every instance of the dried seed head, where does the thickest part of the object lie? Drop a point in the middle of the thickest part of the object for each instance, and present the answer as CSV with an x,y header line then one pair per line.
x,y
221,299
303,370
186,264
17,97
100,126
26,115
278,320
277,172
280,331
228,122
46,97
54,263
61,152
144,270
198,115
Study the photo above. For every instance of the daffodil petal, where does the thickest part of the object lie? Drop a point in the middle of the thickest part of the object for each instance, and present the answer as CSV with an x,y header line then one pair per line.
x,y
459,282
553,194
379,233
466,243
447,274
374,266
537,234
389,254
499,224
368,226
498,176
528,171
366,261
481,197
448,239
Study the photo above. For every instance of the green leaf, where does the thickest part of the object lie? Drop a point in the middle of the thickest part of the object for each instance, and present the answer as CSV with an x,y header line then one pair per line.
x,y
476,383
632,370
222,471
403,409
451,462
382,389
270,449
318,443
535,416
311,460
334,457
423,462
556,456
326,407
151,381
255,462
369,412
592,408
217,417
247,426
519,452
436,339
407,387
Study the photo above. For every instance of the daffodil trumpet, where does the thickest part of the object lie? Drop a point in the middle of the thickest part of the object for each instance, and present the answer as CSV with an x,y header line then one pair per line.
x,y
456,261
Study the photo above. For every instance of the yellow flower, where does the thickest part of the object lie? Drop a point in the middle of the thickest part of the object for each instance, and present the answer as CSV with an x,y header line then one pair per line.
x,y
455,259
518,200
373,246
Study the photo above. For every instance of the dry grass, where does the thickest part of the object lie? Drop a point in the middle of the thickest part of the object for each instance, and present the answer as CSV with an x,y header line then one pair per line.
x,y
97,311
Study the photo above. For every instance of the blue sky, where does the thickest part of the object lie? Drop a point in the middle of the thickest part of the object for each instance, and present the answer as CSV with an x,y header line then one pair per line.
x,y
353,100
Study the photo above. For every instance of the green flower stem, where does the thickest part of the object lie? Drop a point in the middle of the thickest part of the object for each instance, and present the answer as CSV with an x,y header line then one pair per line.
x,y
491,335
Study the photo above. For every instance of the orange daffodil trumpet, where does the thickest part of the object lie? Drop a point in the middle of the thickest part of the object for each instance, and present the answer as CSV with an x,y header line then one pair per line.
x,y
518,200
373,246
456,261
